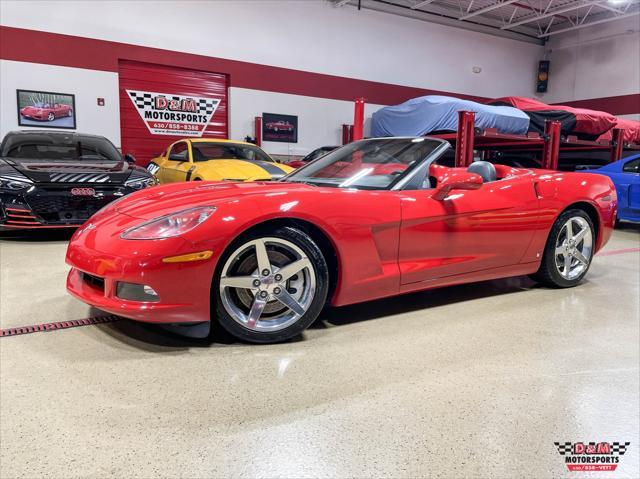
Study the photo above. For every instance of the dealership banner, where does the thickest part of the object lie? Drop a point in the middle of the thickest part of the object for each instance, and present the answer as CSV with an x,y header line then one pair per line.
x,y
167,114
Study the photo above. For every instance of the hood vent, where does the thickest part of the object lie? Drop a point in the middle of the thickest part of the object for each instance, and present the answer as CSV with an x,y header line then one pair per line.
x,y
79,178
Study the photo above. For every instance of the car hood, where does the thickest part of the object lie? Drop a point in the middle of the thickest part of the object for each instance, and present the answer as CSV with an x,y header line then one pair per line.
x,y
85,171
32,109
166,199
233,169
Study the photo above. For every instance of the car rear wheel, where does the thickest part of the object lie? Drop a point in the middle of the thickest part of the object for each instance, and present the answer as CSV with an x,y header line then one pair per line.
x,y
70,113
569,250
51,116
271,286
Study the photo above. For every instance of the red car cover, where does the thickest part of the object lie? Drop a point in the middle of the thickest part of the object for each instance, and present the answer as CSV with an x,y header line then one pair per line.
x,y
631,131
586,124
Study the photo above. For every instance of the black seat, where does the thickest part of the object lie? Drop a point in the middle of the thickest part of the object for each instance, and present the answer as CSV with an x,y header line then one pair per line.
x,y
485,169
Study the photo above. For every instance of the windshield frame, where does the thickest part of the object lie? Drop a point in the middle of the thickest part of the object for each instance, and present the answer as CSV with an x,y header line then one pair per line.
x,y
399,183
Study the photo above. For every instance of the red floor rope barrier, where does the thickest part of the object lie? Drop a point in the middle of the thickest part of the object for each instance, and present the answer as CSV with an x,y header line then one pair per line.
x,y
45,327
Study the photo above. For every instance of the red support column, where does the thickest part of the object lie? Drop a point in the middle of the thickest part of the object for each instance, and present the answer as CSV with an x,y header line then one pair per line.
x,y
551,150
346,134
464,138
258,128
358,120
617,143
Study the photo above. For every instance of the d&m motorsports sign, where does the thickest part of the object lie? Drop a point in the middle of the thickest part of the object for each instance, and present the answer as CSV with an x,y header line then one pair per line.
x,y
166,114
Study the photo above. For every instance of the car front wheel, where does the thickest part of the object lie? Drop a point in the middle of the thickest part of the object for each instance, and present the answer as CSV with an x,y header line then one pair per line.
x,y
271,286
51,117
569,250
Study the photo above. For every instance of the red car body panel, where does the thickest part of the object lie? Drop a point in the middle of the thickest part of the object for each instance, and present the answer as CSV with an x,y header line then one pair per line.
x,y
38,113
296,163
386,242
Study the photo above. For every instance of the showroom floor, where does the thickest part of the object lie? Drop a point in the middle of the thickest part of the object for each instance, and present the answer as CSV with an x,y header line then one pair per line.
x,y
474,381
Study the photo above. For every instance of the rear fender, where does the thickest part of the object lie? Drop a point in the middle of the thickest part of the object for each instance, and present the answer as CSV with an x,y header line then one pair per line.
x,y
558,191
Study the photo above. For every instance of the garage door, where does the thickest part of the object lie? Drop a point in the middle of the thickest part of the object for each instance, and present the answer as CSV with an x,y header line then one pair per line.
x,y
160,104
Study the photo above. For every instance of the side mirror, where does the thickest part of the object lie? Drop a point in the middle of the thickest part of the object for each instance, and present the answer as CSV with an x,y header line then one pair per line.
x,y
456,181
129,158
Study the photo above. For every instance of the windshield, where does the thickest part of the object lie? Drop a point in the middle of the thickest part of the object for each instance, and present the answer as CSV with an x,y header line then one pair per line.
x,y
373,164
59,147
227,151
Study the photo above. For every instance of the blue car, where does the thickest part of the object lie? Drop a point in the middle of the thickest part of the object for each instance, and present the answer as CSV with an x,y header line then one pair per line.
x,y
625,175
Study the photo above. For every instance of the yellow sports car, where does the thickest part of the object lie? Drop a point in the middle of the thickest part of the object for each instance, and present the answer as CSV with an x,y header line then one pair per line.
x,y
216,160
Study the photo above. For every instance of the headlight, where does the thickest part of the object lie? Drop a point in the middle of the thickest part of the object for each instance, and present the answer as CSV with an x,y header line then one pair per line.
x,y
14,182
171,225
139,183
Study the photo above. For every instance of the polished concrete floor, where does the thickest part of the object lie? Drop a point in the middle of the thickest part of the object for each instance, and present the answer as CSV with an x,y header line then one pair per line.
x,y
471,381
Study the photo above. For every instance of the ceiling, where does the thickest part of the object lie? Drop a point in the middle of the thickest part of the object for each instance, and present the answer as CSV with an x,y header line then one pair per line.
x,y
529,20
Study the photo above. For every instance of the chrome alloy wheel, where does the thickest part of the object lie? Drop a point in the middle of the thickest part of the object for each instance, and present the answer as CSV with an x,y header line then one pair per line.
x,y
267,284
574,248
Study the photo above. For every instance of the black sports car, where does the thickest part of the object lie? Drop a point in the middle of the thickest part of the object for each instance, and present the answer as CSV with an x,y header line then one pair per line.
x,y
59,179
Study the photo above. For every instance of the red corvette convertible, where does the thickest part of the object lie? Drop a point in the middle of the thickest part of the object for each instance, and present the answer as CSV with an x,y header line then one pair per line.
x,y
374,218
46,111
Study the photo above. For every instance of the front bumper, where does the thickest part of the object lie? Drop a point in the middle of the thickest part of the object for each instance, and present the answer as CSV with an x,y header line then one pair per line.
x,y
98,265
35,116
53,206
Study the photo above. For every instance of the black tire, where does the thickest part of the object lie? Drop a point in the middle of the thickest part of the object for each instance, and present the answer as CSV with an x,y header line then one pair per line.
x,y
548,273
51,117
312,251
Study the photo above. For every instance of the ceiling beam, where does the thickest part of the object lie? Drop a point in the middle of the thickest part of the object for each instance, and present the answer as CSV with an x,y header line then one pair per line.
x,y
584,25
439,15
533,18
340,3
606,6
421,4
486,9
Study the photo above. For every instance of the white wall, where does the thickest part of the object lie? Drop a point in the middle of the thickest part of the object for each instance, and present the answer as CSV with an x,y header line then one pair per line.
x,y
87,85
319,121
595,62
309,35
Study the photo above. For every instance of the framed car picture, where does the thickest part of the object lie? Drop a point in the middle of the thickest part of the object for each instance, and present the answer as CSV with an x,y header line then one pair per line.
x,y
45,109
282,128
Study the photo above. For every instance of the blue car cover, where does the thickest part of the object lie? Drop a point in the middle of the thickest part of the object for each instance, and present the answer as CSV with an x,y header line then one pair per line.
x,y
426,114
